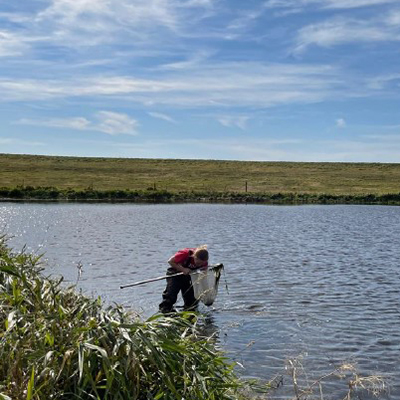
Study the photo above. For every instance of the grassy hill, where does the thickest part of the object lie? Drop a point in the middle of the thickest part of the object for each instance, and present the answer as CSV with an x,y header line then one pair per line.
x,y
103,174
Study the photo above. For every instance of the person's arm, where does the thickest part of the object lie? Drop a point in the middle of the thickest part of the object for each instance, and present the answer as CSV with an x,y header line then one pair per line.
x,y
178,267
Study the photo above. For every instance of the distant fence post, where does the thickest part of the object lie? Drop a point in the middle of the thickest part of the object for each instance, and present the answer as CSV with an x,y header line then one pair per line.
x,y
245,187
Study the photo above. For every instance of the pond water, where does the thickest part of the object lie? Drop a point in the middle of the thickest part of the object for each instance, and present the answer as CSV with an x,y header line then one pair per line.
x,y
321,283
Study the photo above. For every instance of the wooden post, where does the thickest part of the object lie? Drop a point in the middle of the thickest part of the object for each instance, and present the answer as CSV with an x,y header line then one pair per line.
x,y
246,187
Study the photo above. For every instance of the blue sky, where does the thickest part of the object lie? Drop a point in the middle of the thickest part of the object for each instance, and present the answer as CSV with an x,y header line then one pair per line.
x,y
274,80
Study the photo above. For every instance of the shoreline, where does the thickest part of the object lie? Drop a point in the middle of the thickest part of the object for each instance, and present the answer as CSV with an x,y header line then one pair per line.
x,y
54,195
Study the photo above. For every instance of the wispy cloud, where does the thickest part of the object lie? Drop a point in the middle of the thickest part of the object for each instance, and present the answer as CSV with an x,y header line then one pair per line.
x,y
106,121
215,85
382,81
341,123
115,123
164,117
246,18
334,4
393,18
78,123
107,14
11,44
77,24
344,30
194,60
233,121
354,3
92,22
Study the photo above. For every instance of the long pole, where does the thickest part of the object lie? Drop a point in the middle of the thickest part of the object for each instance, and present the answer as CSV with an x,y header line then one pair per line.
x,y
150,280
212,267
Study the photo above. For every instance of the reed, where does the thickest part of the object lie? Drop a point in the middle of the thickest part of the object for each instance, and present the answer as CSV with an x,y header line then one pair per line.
x,y
305,387
56,343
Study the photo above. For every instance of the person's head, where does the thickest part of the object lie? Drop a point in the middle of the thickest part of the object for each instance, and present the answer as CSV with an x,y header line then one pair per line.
x,y
200,256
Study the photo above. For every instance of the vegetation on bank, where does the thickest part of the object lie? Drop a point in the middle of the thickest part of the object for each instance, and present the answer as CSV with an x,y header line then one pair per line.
x,y
199,176
163,196
58,344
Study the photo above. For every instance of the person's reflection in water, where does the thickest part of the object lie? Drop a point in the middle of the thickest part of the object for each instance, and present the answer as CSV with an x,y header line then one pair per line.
x,y
207,327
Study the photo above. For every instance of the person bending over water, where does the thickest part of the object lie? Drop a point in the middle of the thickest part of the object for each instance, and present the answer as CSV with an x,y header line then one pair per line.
x,y
186,260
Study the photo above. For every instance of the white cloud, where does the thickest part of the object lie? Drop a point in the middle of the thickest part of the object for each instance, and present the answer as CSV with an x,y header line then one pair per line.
x,y
341,30
341,123
11,44
334,4
199,57
164,117
213,85
15,17
74,13
245,19
107,122
382,81
355,3
199,3
393,18
115,123
93,22
78,123
233,121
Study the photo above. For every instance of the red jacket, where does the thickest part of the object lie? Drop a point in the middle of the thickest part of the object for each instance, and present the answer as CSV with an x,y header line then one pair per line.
x,y
186,259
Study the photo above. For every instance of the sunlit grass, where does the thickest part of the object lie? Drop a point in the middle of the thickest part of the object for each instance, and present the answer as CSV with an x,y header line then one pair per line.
x,y
199,176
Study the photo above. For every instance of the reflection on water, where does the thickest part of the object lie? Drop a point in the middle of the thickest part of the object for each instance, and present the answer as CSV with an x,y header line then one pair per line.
x,y
320,281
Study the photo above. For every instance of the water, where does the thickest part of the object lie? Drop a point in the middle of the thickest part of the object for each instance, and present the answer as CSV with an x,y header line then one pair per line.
x,y
317,282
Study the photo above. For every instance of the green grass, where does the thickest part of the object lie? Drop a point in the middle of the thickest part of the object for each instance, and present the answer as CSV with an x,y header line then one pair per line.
x,y
202,176
56,343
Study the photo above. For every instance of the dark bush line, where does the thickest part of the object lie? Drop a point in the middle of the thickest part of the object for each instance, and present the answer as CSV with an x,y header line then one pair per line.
x,y
52,193
164,196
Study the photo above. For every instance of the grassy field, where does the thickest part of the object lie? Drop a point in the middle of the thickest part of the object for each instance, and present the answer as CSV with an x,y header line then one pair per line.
x,y
199,175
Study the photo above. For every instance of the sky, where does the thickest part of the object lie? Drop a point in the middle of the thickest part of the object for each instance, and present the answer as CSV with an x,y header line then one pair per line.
x,y
274,80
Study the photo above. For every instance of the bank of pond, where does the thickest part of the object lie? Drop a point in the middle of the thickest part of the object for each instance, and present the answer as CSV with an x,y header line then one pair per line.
x,y
151,195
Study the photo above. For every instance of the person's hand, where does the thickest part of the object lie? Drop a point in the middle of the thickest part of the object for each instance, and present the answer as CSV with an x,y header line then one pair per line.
x,y
186,271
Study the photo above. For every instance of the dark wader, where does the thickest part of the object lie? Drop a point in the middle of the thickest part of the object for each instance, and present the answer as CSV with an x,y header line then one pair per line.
x,y
174,286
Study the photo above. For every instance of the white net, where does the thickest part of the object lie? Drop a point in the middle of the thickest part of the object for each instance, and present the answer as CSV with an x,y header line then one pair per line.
x,y
205,284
